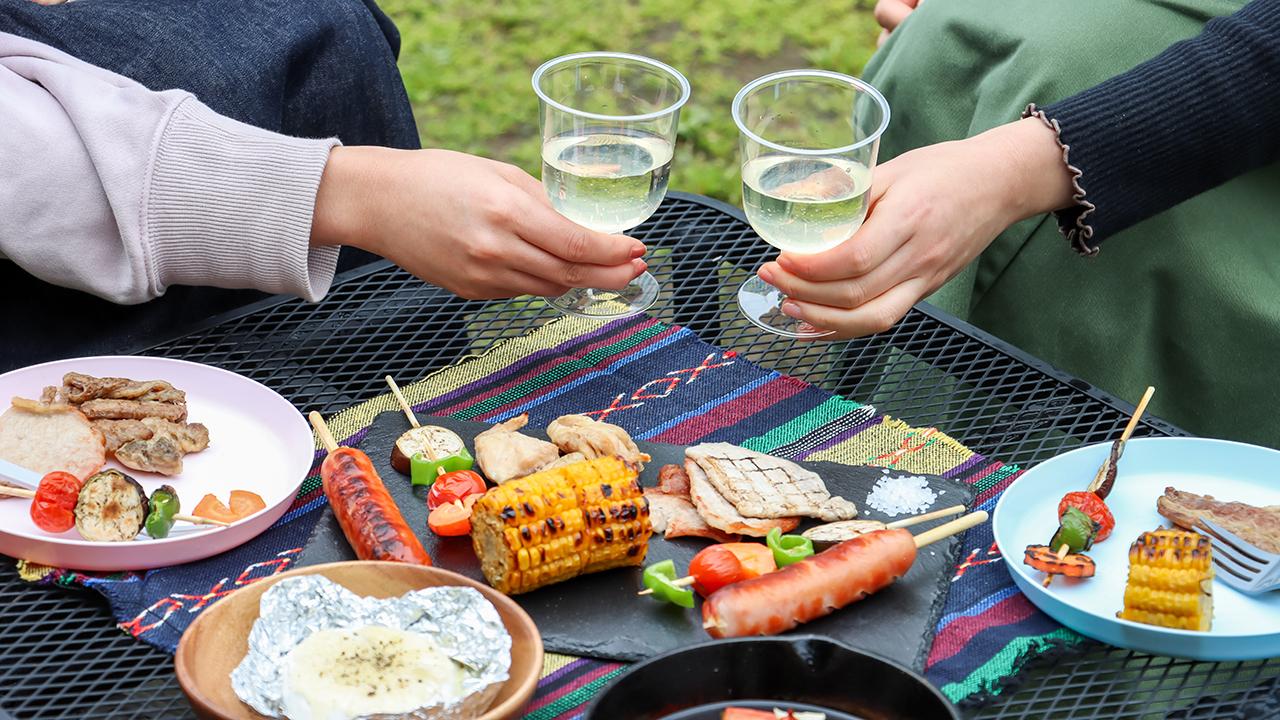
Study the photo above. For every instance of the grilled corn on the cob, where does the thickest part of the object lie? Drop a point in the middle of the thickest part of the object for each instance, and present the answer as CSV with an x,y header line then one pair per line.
x,y
559,523
1170,580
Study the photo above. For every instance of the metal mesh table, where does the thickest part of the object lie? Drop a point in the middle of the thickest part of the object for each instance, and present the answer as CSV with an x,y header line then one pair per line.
x,y
61,657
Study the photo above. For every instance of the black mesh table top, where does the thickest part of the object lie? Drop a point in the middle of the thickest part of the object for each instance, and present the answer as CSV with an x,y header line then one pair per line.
x,y
62,657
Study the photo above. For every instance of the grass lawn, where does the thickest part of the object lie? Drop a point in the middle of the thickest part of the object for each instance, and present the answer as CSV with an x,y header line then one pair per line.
x,y
467,65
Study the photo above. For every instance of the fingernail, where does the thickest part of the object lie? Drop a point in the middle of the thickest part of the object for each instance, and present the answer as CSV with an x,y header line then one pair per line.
x,y
765,274
791,309
637,250
640,266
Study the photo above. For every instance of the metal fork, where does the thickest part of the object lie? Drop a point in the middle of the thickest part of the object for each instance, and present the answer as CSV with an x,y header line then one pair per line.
x,y
1244,566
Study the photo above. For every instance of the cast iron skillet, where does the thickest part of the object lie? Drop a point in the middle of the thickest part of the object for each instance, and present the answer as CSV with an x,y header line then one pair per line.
x,y
801,672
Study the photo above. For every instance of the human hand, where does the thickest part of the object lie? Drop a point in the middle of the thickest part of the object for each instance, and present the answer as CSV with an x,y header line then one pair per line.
x,y
891,13
932,211
476,227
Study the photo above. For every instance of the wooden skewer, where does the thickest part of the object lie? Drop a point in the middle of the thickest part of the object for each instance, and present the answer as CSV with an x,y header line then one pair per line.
x,y
194,520
917,519
322,431
927,537
1101,476
404,404
955,527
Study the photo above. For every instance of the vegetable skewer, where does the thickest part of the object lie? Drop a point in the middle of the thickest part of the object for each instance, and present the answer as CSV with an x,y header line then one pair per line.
x,y
1096,511
425,452
864,527
30,494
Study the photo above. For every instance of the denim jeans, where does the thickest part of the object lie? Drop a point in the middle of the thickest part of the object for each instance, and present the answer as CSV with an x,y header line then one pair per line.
x,y
307,68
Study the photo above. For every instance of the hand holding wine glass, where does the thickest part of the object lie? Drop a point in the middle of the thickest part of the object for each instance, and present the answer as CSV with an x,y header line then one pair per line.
x,y
608,136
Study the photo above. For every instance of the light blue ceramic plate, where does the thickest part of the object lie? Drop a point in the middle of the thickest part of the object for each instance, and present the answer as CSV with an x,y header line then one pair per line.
x,y
1244,627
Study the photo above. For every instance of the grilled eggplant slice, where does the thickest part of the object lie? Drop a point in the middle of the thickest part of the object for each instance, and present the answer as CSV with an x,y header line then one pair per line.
x,y
111,507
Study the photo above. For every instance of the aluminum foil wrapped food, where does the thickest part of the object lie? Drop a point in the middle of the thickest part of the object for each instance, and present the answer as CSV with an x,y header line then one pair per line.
x,y
462,624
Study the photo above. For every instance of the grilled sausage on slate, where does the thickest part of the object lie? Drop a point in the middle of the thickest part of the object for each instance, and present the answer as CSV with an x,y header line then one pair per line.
x,y
368,515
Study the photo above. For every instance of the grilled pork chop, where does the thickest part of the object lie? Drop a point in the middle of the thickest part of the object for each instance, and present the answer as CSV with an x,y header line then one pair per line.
x,y
672,512
1257,525
763,486
721,514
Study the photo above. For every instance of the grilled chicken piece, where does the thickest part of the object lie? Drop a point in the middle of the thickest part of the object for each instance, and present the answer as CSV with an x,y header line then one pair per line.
x,y
1257,525
44,438
592,438
79,388
504,454
673,513
132,410
119,432
720,513
162,452
763,486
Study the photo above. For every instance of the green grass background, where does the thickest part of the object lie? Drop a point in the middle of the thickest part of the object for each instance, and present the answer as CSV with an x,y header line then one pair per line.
x,y
467,64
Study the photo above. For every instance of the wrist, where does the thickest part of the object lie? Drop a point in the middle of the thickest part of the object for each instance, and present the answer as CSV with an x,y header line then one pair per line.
x,y
345,200
1029,159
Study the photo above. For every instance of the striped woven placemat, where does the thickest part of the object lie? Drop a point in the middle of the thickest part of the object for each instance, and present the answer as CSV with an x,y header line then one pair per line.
x,y
663,384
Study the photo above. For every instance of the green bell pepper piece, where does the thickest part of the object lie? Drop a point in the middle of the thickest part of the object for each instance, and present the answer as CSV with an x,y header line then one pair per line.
x,y
424,471
788,549
163,507
1077,531
660,578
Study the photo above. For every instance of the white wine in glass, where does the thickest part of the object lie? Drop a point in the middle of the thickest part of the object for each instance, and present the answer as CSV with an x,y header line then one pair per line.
x,y
808,140
608,136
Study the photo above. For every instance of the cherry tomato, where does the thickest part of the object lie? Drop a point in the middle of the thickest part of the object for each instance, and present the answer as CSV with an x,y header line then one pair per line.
x,y
728,563
453,486
1093,506
53,509
450,520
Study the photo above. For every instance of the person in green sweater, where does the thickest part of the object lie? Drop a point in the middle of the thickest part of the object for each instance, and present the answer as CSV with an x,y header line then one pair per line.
x,y
1150,129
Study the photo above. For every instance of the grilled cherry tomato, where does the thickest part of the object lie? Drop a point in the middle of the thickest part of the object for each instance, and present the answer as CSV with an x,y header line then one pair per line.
x,y
451,519
1093,506
1042,558
454,486
53,507
727,563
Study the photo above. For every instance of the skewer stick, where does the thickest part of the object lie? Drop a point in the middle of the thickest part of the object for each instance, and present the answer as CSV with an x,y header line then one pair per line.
x,y
1124,438
322,431
955,527
1062,552
678,582
917,519
404,404
194,520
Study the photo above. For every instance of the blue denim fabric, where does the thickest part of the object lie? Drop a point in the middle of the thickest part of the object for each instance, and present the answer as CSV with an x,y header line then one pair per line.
x,y
308,68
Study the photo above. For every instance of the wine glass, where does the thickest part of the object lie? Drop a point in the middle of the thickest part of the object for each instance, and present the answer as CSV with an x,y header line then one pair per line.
x,y
608,135
808,142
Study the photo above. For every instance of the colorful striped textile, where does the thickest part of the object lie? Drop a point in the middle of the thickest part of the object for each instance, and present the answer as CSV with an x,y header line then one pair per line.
x,y
662,384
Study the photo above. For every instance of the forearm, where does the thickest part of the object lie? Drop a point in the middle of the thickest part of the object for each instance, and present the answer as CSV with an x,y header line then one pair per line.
x,y
121,192
1202,112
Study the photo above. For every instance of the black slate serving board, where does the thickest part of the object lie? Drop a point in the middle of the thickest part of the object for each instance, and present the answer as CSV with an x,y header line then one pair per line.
x,y
601,616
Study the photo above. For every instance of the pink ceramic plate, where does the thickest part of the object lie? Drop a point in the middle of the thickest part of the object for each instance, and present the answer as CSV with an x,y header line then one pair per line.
x,y
257,442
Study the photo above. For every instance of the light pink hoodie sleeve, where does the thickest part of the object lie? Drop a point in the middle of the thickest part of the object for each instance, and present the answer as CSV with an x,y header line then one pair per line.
x,y
111,188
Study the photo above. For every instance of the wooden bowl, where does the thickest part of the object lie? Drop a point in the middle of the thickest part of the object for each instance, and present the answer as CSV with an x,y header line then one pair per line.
x,y
219,638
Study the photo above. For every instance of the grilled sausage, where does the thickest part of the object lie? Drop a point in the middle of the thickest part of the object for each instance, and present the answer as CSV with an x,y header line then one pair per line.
x,y
368,515
807,590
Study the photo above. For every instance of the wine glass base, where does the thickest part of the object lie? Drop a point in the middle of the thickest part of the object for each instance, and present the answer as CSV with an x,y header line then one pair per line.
x,y
638,296
761,303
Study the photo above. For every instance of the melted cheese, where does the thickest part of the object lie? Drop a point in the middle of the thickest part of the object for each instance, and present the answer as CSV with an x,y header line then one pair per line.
x,y
346,674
